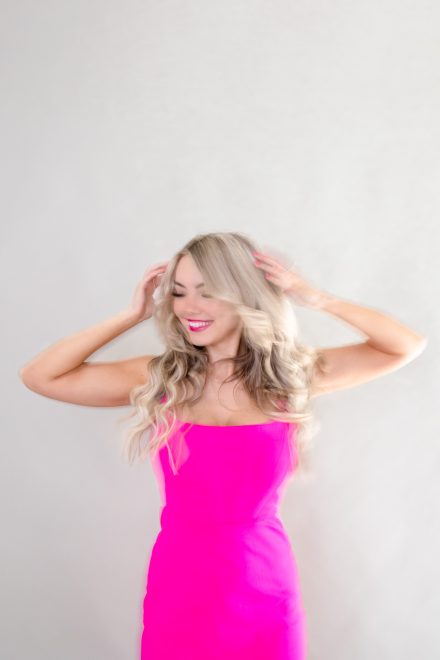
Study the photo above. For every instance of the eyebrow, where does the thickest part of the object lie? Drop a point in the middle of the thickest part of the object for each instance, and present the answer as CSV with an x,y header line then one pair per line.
x,y
197,285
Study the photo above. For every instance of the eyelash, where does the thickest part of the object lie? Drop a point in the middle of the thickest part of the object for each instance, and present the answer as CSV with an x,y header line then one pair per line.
x,y
180,295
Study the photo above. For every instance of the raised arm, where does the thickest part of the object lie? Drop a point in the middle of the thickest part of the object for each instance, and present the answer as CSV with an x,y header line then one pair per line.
x,y
389,344
62,371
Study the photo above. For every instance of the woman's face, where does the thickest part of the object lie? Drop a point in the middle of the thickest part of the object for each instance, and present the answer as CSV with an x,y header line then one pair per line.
x,y
192,302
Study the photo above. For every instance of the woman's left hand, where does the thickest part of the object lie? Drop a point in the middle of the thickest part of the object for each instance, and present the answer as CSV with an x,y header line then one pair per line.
x,y
290,281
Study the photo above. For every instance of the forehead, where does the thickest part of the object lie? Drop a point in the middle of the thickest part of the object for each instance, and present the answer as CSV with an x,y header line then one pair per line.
x,y
187,271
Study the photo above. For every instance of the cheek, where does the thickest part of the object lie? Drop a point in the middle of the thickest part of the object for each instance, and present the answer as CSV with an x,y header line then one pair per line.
x,y
227,322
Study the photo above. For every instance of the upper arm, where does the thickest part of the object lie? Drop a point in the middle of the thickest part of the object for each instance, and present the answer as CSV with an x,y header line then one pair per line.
x,y
95,383
354,364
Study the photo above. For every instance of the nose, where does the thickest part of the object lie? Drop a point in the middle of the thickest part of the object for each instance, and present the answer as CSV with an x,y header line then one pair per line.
x,y
192,308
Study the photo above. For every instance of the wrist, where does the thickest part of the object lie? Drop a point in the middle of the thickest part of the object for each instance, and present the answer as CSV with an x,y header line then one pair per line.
x,y
130,318
323,301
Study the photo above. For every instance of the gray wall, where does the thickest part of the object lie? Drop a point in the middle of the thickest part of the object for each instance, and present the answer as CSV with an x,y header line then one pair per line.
x,y
126,129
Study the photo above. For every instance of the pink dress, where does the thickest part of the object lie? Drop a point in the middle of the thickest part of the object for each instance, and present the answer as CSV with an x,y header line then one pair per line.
x,y
222,579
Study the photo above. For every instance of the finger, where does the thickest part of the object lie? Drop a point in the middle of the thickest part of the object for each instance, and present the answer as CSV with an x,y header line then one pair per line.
x,y
262,265
268,266
269,270
267,259
260,255
264,255
277,258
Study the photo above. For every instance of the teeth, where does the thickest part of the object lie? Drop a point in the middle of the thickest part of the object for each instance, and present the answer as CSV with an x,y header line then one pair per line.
x,y
198,325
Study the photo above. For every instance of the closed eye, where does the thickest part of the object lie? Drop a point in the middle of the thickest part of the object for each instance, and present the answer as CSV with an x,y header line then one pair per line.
x,y
180,295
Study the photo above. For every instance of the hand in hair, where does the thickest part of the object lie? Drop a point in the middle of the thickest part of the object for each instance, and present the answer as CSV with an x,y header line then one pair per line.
x,y
290,281
142,304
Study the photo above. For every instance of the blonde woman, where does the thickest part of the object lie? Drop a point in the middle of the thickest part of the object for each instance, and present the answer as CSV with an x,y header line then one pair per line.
x,y
224,414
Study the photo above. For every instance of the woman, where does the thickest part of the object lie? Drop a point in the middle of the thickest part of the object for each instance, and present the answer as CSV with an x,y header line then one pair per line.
x,y
226,409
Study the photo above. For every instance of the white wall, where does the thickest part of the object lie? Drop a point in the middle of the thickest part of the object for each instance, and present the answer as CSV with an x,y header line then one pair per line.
x,y
126,128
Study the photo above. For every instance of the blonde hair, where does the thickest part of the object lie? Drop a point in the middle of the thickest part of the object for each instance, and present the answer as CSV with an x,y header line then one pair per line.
x,y
271,363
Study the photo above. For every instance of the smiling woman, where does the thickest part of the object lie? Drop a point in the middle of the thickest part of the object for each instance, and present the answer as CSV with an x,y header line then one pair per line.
x,y
224,323
207,314
225,417
234,585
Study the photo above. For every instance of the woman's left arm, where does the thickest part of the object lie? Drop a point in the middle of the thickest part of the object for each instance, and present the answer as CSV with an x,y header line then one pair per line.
x,y
389,345
384,333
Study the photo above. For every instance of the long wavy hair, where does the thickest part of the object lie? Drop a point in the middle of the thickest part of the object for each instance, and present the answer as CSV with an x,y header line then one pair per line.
x,y
275,368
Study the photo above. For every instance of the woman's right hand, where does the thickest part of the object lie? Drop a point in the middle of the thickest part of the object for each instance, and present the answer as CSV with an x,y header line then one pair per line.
x,y
142,304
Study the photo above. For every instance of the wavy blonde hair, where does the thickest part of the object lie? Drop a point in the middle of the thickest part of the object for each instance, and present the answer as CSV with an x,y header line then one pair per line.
x,y
272,365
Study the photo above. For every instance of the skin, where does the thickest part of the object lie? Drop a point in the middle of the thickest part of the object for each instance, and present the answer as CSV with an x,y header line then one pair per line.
x,y
222,338
346,366
223,403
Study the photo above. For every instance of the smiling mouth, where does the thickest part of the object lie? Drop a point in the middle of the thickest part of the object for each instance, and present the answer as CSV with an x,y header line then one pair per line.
x,y
200,325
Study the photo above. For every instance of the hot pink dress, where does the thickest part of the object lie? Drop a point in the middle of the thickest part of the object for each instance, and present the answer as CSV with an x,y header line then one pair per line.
x,y
222,579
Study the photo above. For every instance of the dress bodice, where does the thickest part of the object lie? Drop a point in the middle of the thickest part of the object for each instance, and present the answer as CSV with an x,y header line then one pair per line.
x,y
225,474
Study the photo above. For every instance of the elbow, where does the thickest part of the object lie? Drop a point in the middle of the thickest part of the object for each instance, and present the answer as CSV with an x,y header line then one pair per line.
x,y
419,346
423,341
24,379
27,378
22,374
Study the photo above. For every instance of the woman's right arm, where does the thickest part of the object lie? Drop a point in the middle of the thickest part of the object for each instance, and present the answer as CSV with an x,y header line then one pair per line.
x,y
62,372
